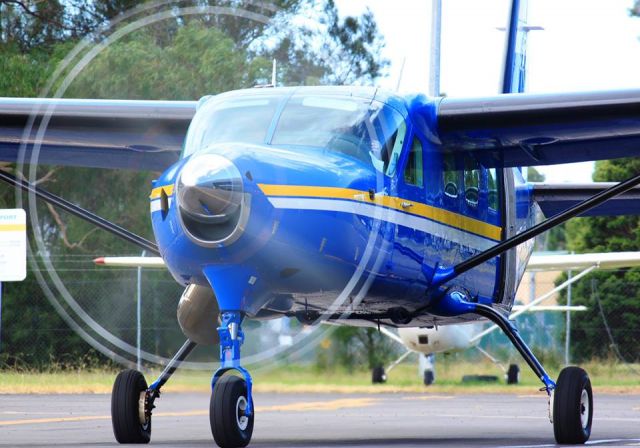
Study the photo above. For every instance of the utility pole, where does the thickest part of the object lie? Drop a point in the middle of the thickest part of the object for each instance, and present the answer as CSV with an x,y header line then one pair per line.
x,y
567,336
436,34
139,318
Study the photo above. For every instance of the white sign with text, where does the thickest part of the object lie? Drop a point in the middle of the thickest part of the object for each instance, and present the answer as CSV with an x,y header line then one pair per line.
x,y
13,245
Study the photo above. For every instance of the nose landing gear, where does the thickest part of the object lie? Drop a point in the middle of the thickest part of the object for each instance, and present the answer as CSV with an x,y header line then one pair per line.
x,y
231,410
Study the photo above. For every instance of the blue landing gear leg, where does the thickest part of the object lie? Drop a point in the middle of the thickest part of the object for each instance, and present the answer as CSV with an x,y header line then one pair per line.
x,y
231,410
570,399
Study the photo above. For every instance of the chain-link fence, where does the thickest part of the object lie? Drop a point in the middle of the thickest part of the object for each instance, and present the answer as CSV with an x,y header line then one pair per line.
x,y
84,312
76,313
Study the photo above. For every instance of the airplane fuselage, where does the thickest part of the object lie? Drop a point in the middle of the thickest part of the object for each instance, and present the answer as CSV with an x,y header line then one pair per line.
x,y
330,201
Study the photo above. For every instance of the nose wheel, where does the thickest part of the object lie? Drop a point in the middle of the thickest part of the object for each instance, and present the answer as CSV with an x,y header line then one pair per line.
x,y
572,406
231,424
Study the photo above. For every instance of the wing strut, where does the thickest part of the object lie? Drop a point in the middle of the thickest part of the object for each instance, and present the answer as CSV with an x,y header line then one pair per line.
x,y
80,212
442,276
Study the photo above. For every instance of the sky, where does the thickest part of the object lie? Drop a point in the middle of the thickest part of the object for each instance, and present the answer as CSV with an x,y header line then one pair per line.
x,y
585,45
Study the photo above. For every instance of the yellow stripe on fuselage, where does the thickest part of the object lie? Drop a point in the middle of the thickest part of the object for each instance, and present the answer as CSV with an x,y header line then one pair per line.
x,y
410,207
156,192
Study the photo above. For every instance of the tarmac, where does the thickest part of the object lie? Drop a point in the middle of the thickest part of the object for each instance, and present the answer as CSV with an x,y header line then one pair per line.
x,y
322,420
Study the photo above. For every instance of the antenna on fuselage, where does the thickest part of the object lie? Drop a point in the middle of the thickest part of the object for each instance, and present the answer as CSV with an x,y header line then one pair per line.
x,y
404,60
273,73
436,34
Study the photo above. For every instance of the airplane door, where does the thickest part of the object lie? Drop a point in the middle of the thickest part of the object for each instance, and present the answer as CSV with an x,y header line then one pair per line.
x,y
509,258
410,188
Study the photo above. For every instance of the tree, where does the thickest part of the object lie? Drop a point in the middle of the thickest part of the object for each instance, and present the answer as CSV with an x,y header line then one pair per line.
x,y
355,346
533,175
612,298
179,58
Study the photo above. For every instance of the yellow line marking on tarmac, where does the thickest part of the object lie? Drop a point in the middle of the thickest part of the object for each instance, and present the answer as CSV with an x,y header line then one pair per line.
x,y
54,420
322,405
310,406
430,397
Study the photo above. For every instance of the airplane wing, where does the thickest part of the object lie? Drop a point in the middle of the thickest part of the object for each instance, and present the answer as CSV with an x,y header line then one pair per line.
x,y
537,262
502,131
123,134
545,308
612,260
131,262
556,198
539,129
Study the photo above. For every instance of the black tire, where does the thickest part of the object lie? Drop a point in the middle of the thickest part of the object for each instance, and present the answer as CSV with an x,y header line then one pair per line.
x,y
230,428
125,401
428,377
513,374
571,418
378,375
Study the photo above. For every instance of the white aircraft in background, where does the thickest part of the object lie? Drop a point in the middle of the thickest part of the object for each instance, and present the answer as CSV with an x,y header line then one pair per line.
x,y
454,338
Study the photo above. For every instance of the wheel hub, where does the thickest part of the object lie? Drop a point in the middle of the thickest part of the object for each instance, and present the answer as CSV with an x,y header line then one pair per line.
x,y
241,417
584,408
142,409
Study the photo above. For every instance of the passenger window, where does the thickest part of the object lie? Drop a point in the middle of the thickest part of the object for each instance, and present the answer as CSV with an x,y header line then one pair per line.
x,y
492,181
471,182
450,176
413,173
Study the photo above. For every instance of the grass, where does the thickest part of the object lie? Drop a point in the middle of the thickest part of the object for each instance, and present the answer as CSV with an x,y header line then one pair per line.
x,y
606,378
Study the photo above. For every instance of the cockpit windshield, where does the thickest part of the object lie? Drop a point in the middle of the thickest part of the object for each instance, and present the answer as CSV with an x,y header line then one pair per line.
x,y
220,120
363,129
360,128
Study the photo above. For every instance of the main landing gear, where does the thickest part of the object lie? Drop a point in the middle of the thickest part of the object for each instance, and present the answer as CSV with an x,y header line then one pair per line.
x,y
132,401
570,399
231,409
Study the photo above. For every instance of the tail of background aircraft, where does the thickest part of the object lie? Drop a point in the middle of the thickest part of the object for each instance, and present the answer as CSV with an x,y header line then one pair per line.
x,y
514,70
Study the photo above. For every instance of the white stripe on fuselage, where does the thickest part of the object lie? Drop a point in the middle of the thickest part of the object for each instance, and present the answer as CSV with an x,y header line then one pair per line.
x,y
388,215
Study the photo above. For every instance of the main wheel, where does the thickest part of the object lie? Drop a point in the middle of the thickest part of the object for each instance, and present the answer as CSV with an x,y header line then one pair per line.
x,y
428,377
572,406
378,375
130,425
513,374
230,425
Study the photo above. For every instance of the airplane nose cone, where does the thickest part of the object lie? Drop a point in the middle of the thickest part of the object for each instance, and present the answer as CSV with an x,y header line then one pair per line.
x,y
209,195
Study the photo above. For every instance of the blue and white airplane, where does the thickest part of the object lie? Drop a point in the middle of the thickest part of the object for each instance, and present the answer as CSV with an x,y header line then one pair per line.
x,y
343,204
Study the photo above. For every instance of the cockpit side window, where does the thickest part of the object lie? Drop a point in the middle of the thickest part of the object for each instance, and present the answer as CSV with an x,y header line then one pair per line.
x,y
398,142
413,170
